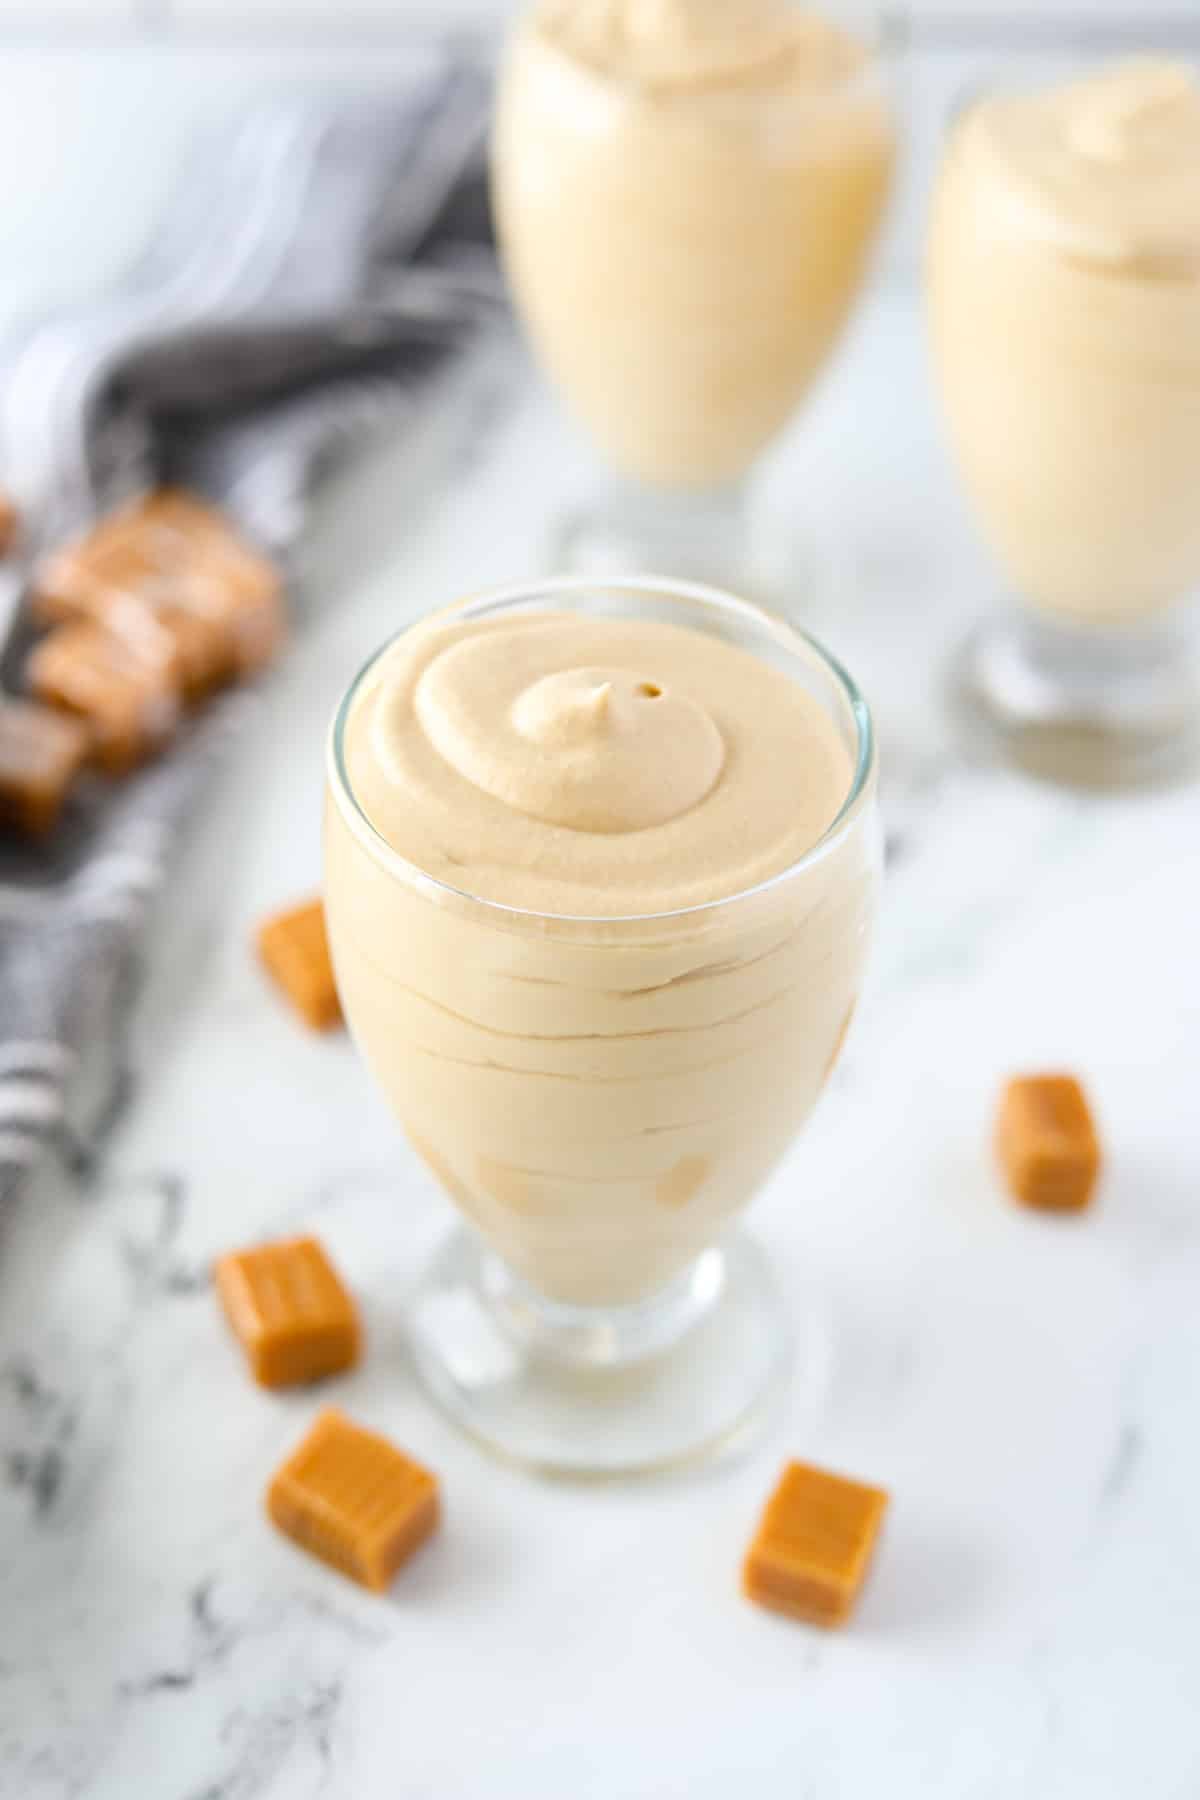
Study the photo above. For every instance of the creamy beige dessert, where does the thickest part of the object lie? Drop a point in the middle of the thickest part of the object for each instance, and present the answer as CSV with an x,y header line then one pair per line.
x,y
598,1079
1064,293
686,192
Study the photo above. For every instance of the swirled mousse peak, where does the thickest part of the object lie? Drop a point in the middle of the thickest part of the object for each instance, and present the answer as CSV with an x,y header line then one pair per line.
x,y
590,765
1108,166
596,748
701,43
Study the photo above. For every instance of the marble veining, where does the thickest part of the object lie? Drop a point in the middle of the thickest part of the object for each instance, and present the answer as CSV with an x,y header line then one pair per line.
x,y
1024,1386
45,1424
1122,1465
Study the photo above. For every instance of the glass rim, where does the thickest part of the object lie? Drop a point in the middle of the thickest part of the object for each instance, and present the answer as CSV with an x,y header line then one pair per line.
x,y
513,594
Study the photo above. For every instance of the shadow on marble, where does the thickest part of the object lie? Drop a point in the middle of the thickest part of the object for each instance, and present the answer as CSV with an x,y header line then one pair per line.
x,y
1151,1210
929,1577
466,1557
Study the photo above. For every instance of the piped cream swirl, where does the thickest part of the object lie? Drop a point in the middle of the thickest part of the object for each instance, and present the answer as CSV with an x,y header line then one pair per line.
x,y
1109,165
586,765
598,749
679,44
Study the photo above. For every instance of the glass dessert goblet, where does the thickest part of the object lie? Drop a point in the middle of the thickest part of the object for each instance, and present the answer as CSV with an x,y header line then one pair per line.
x,y
1064,304
601,1091
686,196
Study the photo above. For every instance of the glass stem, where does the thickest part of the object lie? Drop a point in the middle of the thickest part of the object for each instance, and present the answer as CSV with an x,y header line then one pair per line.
x,y
600,1337
698,534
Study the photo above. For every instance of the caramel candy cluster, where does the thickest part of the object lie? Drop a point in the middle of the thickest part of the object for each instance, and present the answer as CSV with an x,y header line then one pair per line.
x,y
294,948
289,1311
117,583
813,1547
1047,1142
148,613
350,1497
168,557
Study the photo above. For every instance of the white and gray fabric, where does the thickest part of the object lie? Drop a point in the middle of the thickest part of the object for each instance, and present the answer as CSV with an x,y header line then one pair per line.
x,y
318,266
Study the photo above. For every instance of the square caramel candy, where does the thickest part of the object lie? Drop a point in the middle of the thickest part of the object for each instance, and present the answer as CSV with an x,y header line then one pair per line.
x,y
10,523
350,1497
111,563
87,578
294,947
123,589
172,552
289,1311
129,695
249,617
158,531
196,647
813,1546
41,752
229,583
200,647
1047,1143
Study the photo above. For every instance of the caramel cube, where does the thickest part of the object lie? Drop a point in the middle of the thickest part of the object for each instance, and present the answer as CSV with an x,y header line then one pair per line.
x,y
248,615
172,553
41,752
89,578
201,649
119,585
290,1311
230,584
1047,1143
128,694
813,1546
294,947
349,1497
10,524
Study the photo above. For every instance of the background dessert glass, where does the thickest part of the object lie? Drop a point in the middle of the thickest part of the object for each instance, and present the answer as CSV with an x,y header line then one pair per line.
x,y
684,239
602,1319
1065,332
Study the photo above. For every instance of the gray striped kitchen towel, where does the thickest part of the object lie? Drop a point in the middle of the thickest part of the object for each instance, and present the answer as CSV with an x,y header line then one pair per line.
x,y
318,266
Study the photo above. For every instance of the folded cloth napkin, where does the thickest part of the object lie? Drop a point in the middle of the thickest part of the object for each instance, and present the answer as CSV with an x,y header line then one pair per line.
x,y
316,268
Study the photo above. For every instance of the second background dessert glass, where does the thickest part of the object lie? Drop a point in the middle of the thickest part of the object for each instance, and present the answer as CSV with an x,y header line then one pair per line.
x,y
1064,302
686,197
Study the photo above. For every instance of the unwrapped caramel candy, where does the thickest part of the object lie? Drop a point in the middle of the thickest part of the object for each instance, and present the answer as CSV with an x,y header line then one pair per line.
x,y
41,752
120,587
1047,1143
129,695
199,644
813,1546
171,553
290,1312
294,946
231,585
10,524
351,1498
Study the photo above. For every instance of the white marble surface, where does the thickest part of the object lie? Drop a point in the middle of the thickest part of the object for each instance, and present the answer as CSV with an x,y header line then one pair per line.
x,y
1025,1387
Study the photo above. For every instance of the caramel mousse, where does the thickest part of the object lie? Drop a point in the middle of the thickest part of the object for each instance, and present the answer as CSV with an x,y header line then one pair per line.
x,y
1064,292
686,192
546,849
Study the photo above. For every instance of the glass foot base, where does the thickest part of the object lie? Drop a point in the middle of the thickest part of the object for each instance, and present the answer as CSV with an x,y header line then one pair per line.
x,y
1098,710
586,1392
